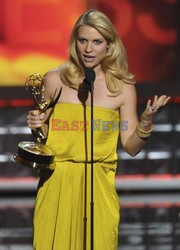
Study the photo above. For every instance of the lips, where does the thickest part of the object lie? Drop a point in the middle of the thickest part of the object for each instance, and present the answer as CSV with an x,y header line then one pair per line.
x,y
88,58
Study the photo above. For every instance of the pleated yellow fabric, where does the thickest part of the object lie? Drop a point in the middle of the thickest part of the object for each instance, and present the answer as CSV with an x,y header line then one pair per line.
x,y
62,210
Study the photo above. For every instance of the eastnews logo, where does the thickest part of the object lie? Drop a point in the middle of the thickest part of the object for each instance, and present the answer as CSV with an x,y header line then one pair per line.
x,y
97,125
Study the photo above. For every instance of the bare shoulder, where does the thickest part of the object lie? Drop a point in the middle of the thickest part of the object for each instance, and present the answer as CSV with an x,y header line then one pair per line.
x,y
53,76
52,81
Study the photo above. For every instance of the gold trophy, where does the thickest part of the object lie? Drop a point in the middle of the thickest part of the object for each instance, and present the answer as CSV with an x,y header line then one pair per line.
x,y
36,154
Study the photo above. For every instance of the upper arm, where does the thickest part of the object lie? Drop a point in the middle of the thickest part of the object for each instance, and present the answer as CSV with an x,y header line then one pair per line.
x,y
128,112
52,85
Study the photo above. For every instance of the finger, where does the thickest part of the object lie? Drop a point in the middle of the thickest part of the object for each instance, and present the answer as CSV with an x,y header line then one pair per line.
x,y
34,115
34,112
31,117
34,125
163,97
42,117
161,100
166,100
38,125
148,105
155,101
34,122
154,104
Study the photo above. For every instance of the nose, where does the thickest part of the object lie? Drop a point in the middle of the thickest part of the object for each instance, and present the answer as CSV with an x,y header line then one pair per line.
x,y
88,47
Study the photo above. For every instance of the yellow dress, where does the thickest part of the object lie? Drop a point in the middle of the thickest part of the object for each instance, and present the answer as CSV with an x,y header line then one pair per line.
x,y
62,210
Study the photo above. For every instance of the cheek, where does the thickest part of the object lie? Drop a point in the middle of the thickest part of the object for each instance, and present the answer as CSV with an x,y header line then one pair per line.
x,y
79,47
102,51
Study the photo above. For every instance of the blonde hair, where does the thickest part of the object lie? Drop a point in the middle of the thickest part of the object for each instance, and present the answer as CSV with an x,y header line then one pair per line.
x,y
114,63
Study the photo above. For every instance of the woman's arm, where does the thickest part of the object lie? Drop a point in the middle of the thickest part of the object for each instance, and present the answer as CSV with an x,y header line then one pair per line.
x,y
136,135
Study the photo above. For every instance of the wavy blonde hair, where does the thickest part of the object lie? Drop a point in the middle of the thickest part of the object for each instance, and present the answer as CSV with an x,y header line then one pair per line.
x,y
114,63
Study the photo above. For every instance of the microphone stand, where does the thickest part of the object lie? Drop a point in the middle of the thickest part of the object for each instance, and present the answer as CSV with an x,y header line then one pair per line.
x,y
92,167
89,83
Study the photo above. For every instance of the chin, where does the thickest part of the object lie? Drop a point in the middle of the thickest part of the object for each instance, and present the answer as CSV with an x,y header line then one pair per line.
x,y
90,65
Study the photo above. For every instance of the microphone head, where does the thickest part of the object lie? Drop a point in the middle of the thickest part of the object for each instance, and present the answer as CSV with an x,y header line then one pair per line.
x,y
89,75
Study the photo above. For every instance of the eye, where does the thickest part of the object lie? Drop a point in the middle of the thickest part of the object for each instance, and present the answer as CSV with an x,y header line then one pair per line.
x,y
97,42
82,40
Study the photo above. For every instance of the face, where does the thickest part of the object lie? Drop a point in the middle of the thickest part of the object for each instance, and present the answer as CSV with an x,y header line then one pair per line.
x,y
91,46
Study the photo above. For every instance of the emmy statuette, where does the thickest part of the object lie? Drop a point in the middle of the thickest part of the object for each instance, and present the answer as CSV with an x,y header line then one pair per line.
x,y
36,154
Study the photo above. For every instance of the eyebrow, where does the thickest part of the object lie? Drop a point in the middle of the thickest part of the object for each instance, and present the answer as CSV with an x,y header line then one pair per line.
x,y
93,39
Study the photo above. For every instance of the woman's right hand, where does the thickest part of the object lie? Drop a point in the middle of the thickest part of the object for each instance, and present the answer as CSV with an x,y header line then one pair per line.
x,y
35,119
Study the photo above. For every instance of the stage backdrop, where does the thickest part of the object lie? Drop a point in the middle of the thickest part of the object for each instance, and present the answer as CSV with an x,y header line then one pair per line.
x,y
34,35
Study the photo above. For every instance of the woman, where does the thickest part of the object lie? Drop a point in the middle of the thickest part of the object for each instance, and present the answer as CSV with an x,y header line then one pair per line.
x,y
62,210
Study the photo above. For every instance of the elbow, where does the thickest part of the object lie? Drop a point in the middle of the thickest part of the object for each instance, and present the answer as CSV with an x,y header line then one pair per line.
x,y
132,148
132,152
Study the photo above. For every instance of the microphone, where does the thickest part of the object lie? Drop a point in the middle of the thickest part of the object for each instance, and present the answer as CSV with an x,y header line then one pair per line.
x,y
89,78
